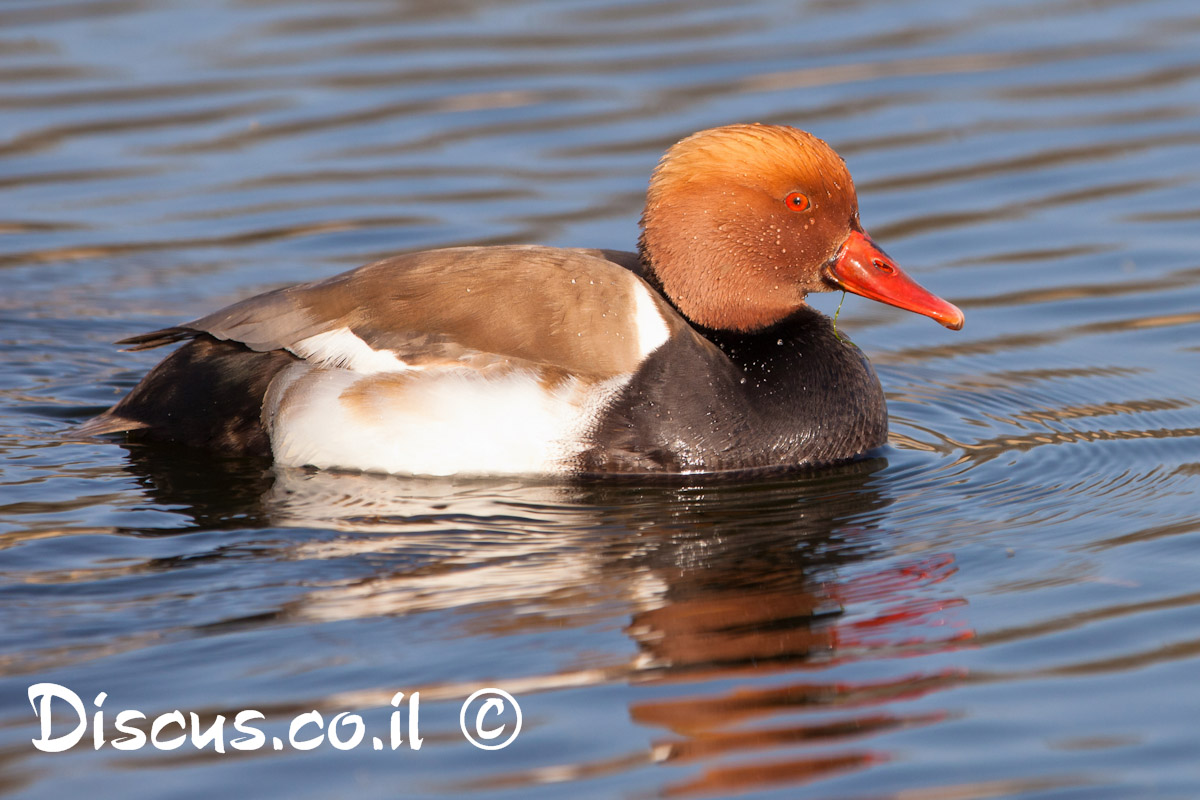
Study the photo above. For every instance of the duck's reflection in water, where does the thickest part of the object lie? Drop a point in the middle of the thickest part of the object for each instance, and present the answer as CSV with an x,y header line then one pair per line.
x,y
751,594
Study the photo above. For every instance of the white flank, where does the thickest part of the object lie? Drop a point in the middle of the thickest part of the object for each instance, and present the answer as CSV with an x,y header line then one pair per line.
x,y
447,421
652,329
341,348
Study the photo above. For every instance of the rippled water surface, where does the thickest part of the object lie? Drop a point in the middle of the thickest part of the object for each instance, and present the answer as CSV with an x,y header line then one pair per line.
x,y
1004,604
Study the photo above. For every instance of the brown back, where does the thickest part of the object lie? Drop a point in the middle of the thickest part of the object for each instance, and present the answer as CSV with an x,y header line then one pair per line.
x,y
571,309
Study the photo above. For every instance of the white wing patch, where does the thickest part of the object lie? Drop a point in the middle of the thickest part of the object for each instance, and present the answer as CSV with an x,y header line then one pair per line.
x,y
443,421
342,349
350,406
652,330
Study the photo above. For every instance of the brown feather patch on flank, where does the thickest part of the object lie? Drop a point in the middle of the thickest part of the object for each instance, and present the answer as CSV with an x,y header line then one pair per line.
x,y
368,394
363,397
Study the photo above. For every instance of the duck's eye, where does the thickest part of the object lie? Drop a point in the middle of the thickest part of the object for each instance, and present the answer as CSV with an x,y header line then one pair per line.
x,y
796,201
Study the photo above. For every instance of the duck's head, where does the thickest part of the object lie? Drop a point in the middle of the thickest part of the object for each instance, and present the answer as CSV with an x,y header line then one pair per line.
x,y
742,222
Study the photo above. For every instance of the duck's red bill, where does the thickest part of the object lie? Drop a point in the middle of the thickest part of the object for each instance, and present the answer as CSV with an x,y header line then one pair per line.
x,y
861,267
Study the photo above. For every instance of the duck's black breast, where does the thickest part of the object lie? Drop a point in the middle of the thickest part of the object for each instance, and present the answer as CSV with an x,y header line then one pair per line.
x,y
794,394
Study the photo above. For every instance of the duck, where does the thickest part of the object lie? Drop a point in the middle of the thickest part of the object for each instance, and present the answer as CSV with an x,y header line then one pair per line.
x,y
695,354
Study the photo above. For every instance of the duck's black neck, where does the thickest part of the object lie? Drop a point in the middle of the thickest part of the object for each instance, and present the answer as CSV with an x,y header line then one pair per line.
x,y
804,338
795,393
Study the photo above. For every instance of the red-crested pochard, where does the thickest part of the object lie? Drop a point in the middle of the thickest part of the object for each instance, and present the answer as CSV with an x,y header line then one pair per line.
x,y
696,354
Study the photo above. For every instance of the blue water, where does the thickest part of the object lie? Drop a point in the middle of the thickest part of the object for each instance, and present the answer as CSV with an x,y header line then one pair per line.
x,y
1003,604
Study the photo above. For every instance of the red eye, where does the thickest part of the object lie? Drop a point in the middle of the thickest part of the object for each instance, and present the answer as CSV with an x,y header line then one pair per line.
x,y
796,201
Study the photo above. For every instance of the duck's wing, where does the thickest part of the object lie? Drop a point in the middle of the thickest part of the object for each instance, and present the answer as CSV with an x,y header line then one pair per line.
x,y
545,313
585,312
